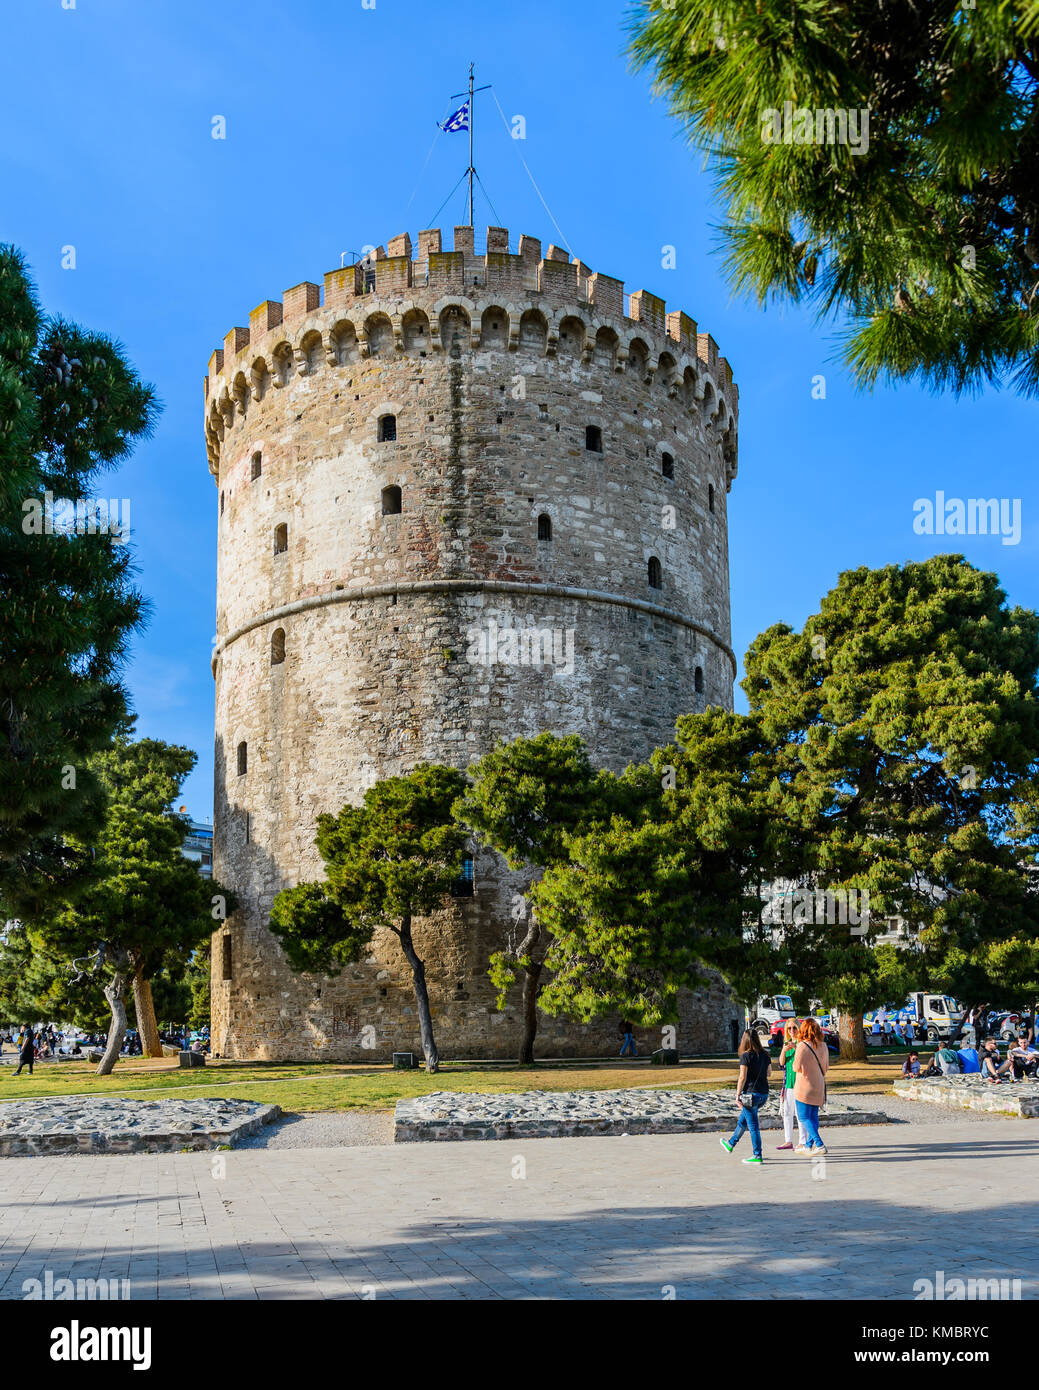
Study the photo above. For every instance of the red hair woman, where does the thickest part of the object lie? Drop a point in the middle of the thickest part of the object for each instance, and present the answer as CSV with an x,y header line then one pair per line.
x,y
811,1063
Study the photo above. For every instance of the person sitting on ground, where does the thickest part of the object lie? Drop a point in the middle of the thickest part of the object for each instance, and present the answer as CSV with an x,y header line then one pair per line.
x,y
911,1065
990,1064
948,1060
1023,1058
969,1060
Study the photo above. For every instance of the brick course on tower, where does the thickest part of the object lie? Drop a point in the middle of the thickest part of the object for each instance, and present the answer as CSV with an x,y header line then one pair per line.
x,y
429,455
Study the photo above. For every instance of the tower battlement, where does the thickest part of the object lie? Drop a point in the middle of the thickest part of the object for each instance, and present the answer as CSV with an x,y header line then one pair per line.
x,y
395,286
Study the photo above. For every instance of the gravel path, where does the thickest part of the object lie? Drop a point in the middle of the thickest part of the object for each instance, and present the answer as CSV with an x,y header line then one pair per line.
x,y
325,1129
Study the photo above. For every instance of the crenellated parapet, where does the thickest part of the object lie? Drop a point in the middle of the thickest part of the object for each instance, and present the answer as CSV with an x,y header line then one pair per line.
x,y
426,300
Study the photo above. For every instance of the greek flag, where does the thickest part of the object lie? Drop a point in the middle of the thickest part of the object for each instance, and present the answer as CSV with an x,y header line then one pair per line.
x,y
458,121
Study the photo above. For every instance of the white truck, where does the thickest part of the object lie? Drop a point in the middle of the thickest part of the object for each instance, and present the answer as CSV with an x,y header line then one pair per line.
x,y
939,1013
770,1009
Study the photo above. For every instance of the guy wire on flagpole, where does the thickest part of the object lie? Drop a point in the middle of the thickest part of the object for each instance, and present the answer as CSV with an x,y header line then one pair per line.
x,y
530,176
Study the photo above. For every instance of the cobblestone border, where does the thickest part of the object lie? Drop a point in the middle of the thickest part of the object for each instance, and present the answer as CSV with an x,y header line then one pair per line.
x,y
97,1141
446,1115
1020,1099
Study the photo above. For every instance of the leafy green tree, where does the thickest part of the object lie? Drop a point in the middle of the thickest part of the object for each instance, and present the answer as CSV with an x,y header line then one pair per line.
x,y
70,407
640,905
198,980
524,799
147,905
395,857
925,232
904,724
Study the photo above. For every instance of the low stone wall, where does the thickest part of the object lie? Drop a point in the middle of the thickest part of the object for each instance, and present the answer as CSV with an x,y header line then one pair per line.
x,y
77,1125
1020,1098
558,1114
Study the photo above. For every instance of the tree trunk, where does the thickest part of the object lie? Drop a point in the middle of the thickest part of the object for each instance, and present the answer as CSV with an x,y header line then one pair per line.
x,y
418,975
144,1006
531,987
115,993
852,1037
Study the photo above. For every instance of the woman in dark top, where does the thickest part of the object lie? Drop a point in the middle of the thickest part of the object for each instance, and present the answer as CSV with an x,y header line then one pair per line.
x,y
751,1093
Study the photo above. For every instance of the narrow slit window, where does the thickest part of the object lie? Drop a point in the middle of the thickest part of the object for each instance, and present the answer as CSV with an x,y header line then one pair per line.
x,y
391,501
698,680
710,496
243,759
227,961
655,578
281,538
544,527
387,429
257,467
593,439
277,646
221,504
667,465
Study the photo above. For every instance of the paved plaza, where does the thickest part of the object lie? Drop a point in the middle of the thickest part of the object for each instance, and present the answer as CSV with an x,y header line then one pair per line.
x,y
645,1217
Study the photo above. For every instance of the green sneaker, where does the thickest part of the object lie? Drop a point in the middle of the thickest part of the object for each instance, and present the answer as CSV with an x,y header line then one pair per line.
x,y
753,1160
725,1145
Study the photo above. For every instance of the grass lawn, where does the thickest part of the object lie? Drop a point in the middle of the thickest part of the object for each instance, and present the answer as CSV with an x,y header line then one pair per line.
x,y
337,1086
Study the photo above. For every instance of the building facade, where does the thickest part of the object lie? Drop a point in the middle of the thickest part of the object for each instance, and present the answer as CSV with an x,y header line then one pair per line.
x,y
462,497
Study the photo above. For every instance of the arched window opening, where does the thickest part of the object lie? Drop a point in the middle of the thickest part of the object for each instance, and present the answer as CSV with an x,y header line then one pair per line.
x,y
655,579
277,646
698,680
391,501
387,429
281,538
667,465
243,759
544,527
593,439
464,885
257,467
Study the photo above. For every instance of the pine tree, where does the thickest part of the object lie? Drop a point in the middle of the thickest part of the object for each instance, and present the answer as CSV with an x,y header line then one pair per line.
x,y
70,407
925,232
395,857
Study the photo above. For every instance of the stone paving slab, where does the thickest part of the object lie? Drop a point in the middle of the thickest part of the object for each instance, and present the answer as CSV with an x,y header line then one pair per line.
x,y
648,1217
971,1092
110,1125
459,1115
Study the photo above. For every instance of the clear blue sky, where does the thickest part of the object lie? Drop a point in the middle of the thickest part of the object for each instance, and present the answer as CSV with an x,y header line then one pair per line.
x,y
330,111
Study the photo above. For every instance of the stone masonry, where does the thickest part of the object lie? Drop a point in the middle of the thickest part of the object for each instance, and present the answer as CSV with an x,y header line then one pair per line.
x,y
461,498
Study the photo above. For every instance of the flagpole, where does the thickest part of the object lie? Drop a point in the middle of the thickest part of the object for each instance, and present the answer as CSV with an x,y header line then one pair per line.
x,y
472,122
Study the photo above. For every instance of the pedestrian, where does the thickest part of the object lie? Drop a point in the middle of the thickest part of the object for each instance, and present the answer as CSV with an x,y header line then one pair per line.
x,y
26,1050
811,1063
628,1030
787,1104
751,1093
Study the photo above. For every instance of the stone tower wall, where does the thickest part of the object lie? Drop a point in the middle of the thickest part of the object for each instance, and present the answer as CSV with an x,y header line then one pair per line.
x,y
399,630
